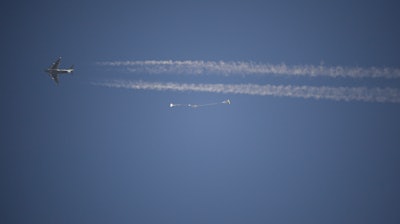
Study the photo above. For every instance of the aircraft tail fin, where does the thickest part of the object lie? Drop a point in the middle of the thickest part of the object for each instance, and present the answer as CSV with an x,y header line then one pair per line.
x,y
71,69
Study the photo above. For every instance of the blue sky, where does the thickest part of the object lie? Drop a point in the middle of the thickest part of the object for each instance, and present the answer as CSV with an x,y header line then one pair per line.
x,y
81,153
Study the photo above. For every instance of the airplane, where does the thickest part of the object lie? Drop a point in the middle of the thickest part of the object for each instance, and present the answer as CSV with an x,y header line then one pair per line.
x,y
54,71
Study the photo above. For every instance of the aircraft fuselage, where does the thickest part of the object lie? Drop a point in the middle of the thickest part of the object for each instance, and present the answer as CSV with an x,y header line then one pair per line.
x,y
59,71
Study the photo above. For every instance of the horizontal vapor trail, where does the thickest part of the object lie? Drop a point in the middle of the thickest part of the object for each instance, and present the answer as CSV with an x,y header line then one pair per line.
x,y
381,95
249,68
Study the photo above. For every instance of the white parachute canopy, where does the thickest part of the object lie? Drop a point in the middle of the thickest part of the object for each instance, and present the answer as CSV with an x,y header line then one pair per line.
x,y
228,101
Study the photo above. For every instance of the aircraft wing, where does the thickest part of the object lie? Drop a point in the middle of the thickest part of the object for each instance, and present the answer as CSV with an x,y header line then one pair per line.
x,y
55,78
56,64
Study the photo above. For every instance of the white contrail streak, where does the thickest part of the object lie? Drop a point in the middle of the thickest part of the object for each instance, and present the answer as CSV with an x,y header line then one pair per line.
x,y
249,68
365,94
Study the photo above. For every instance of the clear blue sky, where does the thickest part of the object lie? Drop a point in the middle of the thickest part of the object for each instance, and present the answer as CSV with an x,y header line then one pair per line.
x,y
79,153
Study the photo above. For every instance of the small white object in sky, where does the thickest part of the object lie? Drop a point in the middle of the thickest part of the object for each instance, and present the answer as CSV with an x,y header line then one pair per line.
x,y
175,105
226,101
199,105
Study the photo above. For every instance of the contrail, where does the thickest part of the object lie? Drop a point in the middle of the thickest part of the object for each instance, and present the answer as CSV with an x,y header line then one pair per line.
x,y
251,68
382,95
